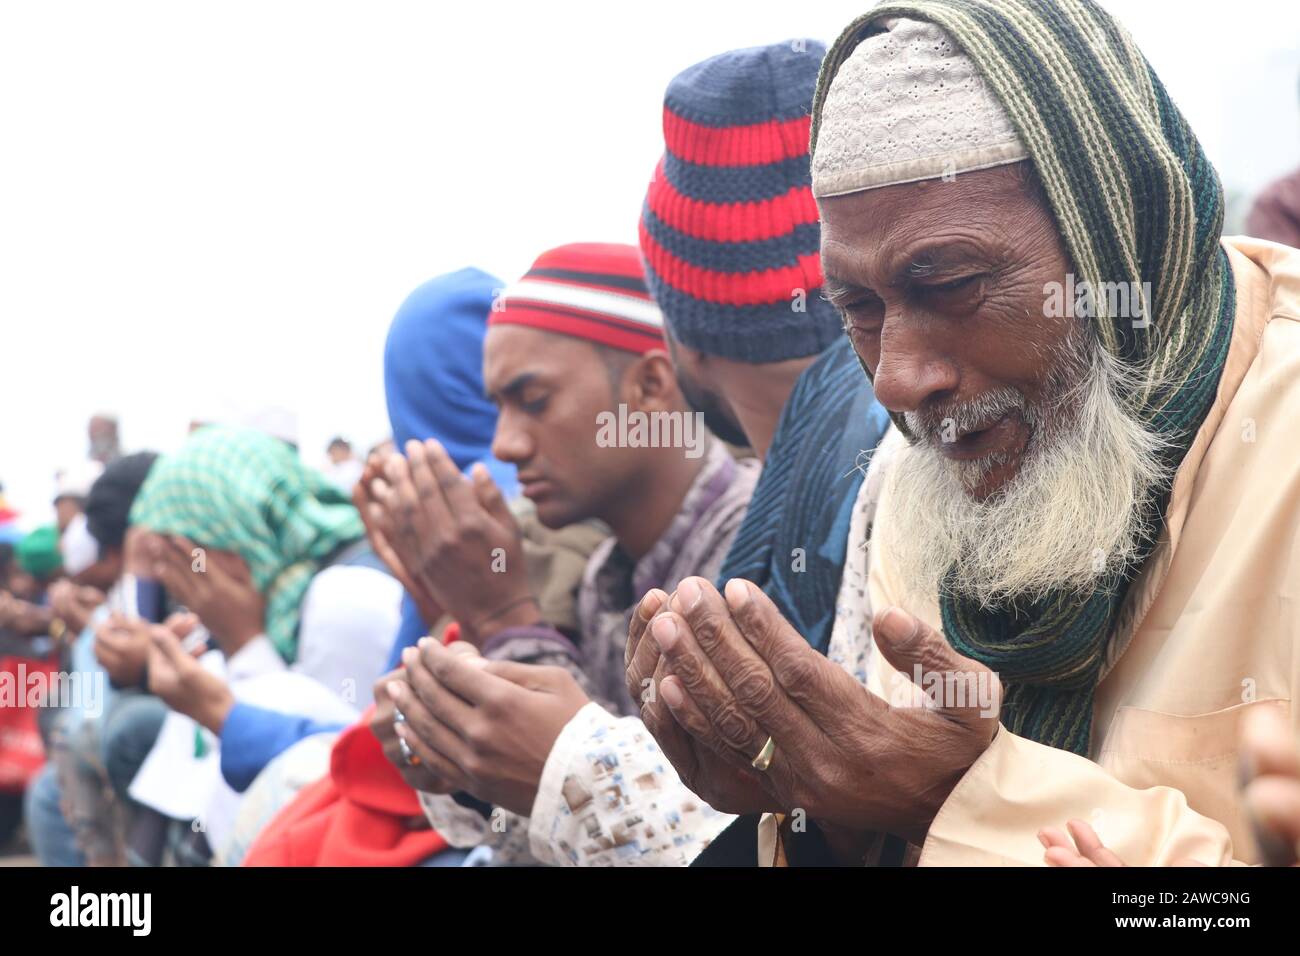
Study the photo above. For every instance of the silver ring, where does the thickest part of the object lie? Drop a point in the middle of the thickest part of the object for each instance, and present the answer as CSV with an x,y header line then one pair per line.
x,y
407,753
398,716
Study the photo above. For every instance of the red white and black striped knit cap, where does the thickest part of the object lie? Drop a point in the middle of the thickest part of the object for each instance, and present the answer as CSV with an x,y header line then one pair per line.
x,y
589,290
729,229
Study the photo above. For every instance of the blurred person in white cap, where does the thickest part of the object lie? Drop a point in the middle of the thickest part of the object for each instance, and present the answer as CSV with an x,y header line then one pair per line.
x,y
342,467
71,486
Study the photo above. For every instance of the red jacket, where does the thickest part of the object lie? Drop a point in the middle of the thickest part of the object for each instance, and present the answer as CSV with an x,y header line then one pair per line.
x,y
358,815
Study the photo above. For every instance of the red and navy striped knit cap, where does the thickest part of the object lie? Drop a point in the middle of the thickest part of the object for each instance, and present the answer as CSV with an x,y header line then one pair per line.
x,y
729,229
589,290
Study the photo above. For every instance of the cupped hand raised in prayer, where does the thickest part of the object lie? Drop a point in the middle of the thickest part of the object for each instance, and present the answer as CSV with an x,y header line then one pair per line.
x,y
722,783
215,585
736,673
383,724
372,516
456,538
485,727
180,681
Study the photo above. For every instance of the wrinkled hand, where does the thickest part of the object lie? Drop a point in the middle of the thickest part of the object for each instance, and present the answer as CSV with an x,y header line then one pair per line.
x,y
122,648
75,604
222,594
383,726
641,657
456,538
372,517
485,727
183,684
716,780
737,672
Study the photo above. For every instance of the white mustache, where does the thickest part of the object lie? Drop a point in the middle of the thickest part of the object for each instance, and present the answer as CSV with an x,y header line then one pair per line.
x,y
969,416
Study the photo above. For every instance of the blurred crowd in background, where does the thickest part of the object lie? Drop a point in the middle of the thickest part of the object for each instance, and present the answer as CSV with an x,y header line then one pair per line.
x,y
418,653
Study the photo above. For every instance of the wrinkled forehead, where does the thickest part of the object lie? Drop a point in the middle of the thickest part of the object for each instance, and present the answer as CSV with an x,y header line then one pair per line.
x,y
888,228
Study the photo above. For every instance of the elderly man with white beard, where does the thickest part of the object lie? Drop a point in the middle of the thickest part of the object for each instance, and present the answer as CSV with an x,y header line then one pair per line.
x,y
1082,570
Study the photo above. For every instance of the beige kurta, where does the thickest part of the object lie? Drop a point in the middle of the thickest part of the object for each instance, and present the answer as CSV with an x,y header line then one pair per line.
x,y
1209,630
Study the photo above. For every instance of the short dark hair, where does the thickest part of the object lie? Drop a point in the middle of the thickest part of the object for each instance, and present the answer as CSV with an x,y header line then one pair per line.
x,y
616,362
108,505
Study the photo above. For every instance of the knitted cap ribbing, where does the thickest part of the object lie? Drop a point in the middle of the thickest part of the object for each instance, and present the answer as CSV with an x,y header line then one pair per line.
x,y
729,228
587,290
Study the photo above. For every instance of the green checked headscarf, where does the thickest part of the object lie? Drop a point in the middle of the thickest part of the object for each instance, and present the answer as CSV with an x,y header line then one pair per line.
x,y
1136,201
233,489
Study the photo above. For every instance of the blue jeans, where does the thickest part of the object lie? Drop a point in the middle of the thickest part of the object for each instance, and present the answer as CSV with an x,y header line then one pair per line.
x,y
52,839
100,757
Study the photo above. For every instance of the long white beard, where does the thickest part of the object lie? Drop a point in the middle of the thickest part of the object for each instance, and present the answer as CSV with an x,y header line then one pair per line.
x,y
1068,518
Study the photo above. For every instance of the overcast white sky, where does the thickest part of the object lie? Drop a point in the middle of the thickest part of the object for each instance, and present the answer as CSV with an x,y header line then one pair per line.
x,y
202,203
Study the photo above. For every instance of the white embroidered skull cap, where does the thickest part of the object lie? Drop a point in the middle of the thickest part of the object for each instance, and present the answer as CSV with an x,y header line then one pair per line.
x,y
906,105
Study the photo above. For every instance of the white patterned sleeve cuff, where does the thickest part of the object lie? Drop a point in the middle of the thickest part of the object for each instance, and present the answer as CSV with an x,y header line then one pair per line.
x,y
609,797
459,826
506,833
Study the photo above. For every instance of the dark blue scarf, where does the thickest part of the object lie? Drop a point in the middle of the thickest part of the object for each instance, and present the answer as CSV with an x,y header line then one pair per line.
x,y
795,535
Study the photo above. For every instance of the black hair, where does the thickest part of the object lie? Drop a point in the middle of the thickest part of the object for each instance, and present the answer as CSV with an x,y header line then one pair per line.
x,y
616,362
109,503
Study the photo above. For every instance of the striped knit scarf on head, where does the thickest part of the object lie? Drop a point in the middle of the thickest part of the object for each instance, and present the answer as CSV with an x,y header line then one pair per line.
x,y
1136,201
234,489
